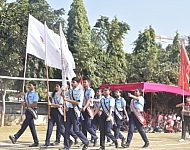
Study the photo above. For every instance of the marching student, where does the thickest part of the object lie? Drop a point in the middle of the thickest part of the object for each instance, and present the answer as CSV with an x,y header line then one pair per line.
x,y
73,115
119,112
56,114
107,104
58,135
136,117
96,120
30,104
87,110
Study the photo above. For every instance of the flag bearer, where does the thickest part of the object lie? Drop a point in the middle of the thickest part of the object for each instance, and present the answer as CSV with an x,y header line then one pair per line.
x,y
73,115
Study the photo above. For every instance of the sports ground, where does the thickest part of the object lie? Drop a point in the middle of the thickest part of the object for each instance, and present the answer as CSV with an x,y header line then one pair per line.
x,y
158,141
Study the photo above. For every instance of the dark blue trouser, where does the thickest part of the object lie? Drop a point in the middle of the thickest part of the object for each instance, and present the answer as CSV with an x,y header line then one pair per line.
x,y
95,123
133,121
57,118
28,122
86,125
58,135
116,128
185,124
72,120
105,130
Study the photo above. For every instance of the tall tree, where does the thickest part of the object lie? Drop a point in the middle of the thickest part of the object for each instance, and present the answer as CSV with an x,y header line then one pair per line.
x,y
13,35
143,61
111,62
78,35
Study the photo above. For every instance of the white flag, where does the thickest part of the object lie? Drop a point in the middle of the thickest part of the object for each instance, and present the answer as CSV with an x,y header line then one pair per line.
x,y
45,44
66,58
35,39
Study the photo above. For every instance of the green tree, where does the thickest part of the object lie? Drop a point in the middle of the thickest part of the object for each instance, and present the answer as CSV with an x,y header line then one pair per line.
x,y
78,35
143,60
111,61
13,35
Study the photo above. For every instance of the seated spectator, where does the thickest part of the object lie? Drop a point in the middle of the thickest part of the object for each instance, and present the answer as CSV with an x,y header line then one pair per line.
x,y
159,128
169,125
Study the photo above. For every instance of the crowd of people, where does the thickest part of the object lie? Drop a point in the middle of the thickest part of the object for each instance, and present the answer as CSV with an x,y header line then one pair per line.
x,y
163,122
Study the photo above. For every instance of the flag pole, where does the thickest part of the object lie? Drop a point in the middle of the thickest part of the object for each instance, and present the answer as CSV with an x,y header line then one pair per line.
x,y
182,42
23,85
47,73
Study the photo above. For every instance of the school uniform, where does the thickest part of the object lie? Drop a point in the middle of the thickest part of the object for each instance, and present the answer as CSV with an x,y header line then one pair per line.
x,y
96,120
30,98
55,117
106,126
73,118
119,104
134,121
58,135
86,123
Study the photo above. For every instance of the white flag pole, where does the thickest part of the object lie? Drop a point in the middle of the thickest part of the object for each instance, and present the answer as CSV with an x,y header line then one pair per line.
x,y
46,64
23,83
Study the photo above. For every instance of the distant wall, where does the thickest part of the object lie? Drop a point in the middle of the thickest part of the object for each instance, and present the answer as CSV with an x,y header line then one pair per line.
x,y
14,107
14,119
12,113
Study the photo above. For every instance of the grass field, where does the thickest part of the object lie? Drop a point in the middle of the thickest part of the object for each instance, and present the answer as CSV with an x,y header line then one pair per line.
x,y
158,141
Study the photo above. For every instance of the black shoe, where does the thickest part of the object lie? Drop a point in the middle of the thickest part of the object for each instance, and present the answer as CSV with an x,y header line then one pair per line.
x,y
116,144
54,143
13,139
76,141
85,147
112,144
70,143
44,146
108,140
146,145
34,145
81,145
126,145
95,141
123,142
101,148
64,148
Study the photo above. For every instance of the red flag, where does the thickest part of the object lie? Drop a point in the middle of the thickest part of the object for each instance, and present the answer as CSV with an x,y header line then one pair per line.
x,y
81,83
184,70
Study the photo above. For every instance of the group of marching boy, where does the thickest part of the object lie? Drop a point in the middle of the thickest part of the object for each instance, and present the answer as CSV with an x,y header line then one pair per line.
x,y
78,110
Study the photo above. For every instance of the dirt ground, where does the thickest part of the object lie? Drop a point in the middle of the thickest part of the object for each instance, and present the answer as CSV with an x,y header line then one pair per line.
x,y
158,141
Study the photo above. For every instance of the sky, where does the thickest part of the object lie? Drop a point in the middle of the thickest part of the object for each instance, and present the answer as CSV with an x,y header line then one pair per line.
x,y
165,16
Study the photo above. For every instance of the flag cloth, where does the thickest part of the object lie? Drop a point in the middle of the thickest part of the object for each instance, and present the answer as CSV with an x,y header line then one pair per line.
x,y
67,60
45,44
184,70
35,39
81,86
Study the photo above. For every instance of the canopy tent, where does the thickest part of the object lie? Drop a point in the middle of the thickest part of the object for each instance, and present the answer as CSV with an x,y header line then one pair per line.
x,y
147,87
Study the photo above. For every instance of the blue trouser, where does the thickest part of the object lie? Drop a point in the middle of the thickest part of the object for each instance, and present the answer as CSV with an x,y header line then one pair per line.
x,y
105,130
58,135
86,125
95,123
28,121
133,121
72,120
57,118
116,128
